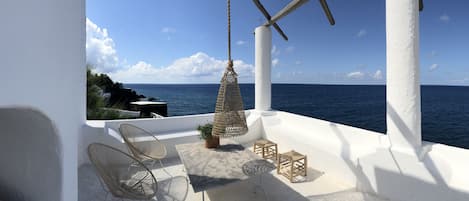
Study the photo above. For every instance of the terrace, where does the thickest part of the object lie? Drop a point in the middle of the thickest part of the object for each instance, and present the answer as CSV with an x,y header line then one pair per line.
x,y
345,163
320,184
316,186
45,132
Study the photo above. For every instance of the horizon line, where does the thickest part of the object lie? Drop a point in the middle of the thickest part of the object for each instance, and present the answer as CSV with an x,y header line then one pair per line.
x,y
332,84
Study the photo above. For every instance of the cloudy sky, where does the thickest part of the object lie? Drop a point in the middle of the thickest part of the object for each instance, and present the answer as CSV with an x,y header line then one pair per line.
x,y
182,41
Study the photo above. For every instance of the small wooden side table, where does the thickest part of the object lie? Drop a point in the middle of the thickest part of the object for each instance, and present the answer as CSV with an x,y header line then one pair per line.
x,y
266,149
292,164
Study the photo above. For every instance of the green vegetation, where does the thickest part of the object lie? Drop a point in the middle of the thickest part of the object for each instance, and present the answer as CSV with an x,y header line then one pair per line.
x,y
205,131
118,98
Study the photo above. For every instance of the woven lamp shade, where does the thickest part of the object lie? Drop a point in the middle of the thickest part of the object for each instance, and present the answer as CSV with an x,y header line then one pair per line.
x,y
229,120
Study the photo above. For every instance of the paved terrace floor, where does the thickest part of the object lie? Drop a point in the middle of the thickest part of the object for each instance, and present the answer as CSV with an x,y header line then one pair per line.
x,y
317,186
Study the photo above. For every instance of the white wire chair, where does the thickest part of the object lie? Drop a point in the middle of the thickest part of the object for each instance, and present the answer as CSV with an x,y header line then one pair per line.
x,y
124,176
144,146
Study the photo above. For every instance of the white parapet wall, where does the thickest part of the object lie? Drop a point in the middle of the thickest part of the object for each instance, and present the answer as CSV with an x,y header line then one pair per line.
x,y
330,147
364,159
170,130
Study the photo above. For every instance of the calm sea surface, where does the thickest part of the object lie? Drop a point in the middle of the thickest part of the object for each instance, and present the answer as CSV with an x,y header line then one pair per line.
x,y
445,109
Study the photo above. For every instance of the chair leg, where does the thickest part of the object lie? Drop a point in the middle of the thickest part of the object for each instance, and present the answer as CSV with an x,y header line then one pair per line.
x,y
134,164
262,187
259,186
103,186
105,197
164,169
153,163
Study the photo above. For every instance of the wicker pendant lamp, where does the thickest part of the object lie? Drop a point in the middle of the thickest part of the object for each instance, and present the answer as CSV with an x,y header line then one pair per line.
x,y
229,119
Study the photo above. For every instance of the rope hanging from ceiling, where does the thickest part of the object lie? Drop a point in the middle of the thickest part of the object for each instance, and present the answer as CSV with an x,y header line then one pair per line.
x,y
229,118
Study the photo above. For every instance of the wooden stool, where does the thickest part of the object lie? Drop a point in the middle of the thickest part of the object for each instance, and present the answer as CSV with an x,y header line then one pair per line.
x,y
266,149
291,164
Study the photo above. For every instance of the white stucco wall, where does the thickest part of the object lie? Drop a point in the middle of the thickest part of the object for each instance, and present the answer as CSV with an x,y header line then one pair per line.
x,y
42,65
330,147
170,130
364,159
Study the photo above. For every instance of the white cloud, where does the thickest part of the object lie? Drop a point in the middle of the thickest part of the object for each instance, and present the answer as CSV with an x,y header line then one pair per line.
x,y
275,62
361,33
198,68
240,42
168,30
445,18
289,49
298,62
275,51
433,53
356,75
100,49
378,75
370,77
434,67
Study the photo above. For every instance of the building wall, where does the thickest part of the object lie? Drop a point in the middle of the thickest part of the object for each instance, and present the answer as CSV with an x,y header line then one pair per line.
x,y
42,66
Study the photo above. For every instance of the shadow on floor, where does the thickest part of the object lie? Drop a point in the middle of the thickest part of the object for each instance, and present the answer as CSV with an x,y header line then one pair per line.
x,y
347,195
269,187
311,175
266,187
90,188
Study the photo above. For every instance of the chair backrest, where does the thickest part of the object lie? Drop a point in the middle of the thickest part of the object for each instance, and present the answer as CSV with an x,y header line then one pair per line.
x,y
142,144
123,175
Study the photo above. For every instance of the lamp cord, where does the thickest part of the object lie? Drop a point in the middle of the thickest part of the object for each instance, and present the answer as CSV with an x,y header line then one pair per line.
x,y
230,62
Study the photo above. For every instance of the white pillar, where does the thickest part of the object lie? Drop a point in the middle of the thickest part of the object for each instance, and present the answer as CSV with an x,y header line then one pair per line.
x,y
263,63
403,115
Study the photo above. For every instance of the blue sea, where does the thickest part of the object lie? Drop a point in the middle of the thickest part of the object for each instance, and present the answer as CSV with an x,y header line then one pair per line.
x,y
445,109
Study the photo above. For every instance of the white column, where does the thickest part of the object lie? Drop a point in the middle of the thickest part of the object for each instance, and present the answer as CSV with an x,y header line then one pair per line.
x,y
263,63
403,115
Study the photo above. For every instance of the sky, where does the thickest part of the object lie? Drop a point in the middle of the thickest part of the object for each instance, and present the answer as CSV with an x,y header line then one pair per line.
x,y
185,41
